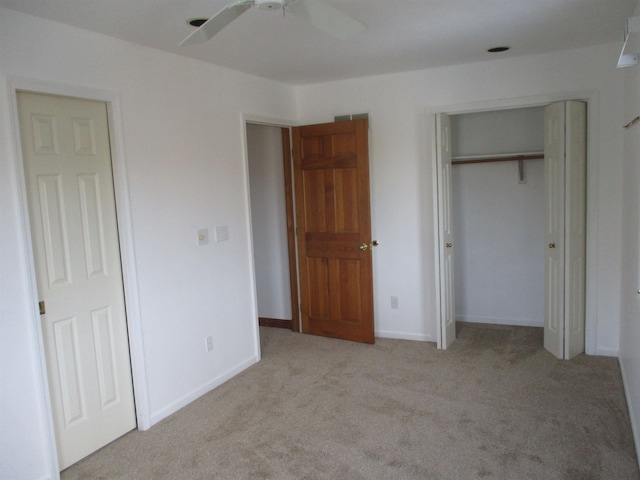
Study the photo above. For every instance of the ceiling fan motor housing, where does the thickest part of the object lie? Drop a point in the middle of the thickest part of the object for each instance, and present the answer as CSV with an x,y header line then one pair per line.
x,y
270,4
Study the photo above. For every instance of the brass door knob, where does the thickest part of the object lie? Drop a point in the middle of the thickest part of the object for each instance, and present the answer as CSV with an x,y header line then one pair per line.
x,y
552,245
449,245
364,247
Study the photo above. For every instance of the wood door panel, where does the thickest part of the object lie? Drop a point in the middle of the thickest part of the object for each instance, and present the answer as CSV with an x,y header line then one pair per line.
x,y
342,144
348,276
315,212
333,216
318,288
345,188
330,245
331,162
311,147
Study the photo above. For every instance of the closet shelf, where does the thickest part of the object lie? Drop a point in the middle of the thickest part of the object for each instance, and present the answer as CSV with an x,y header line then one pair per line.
x,y
509,157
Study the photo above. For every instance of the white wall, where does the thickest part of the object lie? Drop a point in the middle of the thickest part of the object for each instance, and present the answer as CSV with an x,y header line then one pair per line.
x,y
182,150
269,221
498,237
25,435
630,284
518,130
401,120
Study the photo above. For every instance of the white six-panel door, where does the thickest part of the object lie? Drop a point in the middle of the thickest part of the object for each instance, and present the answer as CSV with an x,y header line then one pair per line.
x,y
67,161
447,320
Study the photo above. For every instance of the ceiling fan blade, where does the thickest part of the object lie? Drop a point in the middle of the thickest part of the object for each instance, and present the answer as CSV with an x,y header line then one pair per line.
x,y
327,18
217,22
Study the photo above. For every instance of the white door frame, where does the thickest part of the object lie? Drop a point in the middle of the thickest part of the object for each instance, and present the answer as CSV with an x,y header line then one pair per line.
x,y
246,118
125,234
591,98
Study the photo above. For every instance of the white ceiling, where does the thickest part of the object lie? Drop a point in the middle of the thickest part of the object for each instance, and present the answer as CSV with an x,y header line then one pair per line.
x,y
402,35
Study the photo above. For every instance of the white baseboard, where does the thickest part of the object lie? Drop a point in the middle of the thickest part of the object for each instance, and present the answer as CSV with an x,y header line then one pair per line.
x,y
606,352
632,413
520,322
420,337
198,392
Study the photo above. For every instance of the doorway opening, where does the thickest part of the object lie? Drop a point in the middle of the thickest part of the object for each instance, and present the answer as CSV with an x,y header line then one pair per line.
x,y
498,210
329,166
505,239
270,191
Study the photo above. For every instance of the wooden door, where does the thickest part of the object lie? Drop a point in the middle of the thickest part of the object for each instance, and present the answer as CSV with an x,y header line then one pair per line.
x,y
67,161
565,249
331,172
446,313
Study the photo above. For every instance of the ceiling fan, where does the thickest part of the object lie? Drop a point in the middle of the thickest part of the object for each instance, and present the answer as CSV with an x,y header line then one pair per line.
x,y
321,15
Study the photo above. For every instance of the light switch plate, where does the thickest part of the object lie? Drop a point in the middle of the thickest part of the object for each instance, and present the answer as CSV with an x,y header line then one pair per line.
x,y
203,236
222,233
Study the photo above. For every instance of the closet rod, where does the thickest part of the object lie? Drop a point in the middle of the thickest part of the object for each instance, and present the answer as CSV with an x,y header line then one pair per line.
x,y
509,158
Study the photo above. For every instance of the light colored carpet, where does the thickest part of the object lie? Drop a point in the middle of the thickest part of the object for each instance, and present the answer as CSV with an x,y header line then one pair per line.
x,y
495,405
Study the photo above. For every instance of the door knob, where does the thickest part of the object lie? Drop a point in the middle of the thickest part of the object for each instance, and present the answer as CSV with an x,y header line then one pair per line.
x,y
375,243
364,247
449,245
552,245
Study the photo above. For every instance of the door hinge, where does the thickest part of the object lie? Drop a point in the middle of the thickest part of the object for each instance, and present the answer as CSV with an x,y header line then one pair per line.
x,y
41,306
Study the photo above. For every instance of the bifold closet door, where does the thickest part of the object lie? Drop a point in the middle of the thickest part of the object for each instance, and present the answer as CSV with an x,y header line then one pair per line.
x,y
565,229
446,310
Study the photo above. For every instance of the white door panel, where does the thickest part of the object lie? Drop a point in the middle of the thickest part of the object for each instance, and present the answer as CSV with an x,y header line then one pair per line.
x,y
565,192
575,228
554,231
447,320
65,144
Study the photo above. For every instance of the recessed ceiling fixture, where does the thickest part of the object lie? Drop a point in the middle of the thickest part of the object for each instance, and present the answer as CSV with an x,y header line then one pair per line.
x,y
197,22
498,49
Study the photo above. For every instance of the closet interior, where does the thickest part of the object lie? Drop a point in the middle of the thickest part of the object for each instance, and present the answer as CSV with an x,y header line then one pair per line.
x,y
498,211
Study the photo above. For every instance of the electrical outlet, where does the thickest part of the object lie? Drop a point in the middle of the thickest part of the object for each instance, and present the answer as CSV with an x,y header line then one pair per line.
x,y
208,343
394,302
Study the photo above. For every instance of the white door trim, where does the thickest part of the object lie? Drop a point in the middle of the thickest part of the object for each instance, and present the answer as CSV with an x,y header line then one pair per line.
x,y
125,231
246,118
591,98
